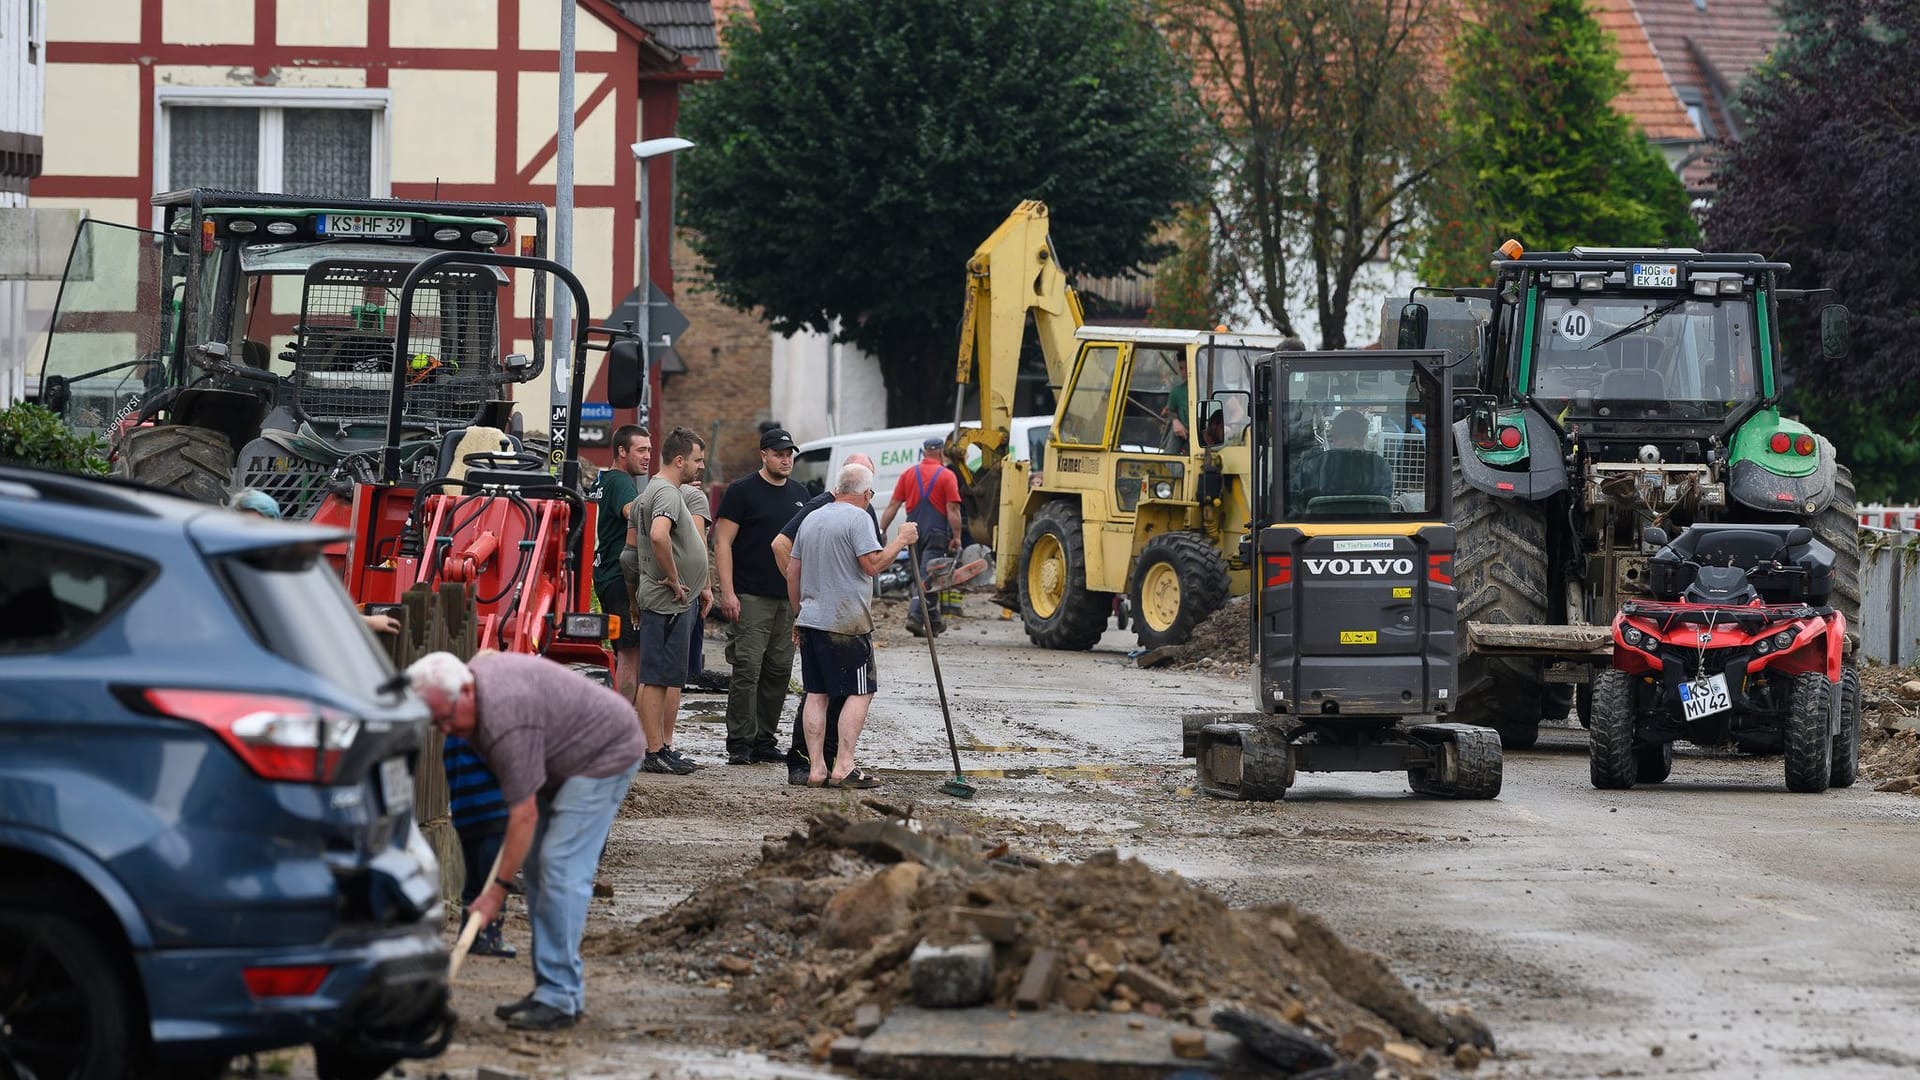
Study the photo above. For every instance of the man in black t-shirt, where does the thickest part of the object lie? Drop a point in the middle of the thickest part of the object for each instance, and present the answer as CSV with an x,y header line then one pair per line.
x,y
753,599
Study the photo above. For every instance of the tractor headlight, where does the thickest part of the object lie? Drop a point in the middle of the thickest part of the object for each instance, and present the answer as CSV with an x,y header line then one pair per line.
x,y
446,235
282,228
586,626
1163,489
485,237
1561,279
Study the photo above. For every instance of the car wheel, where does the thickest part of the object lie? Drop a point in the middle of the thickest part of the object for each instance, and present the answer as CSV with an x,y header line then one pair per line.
x,y
64,1013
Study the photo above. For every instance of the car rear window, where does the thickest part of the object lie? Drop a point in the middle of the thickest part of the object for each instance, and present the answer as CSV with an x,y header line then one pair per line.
x,y
302,613
54,595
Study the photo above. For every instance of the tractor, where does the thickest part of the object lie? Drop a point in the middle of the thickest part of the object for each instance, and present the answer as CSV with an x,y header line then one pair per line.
x,y
1600,392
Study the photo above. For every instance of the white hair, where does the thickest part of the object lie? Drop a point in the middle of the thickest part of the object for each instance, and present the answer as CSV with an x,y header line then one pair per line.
x,y
442,673
853,480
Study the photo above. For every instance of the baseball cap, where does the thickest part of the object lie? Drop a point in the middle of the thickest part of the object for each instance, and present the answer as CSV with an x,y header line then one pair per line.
x,y
254,501
777,439
933,442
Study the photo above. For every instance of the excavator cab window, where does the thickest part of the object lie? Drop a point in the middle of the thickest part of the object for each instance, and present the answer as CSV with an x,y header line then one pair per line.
x,y
1155,416
1084,420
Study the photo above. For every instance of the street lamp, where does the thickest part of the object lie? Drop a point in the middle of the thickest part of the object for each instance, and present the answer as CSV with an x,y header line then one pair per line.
x,y
643,152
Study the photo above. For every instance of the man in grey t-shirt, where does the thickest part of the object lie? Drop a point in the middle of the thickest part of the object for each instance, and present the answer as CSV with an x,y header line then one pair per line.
x,y
565,750
835,556
672,560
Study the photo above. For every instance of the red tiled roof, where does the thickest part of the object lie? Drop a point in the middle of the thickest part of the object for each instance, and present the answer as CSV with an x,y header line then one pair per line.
x,y
1649,98
1709,46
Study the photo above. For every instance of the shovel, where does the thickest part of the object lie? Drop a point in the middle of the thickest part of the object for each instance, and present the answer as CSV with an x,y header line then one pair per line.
x,y
957,786
471,929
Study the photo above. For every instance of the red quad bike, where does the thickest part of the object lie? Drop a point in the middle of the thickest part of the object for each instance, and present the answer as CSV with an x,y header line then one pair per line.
x,y
1740,643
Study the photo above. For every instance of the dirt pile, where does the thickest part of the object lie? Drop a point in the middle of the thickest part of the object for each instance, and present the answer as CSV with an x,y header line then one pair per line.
x,y
1890,728
1223,641
826,922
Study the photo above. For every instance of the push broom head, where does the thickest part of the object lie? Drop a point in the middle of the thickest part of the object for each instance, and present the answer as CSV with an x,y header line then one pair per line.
x,y
957,787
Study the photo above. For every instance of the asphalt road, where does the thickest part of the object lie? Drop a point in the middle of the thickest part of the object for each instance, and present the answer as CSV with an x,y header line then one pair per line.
x,y
1712,924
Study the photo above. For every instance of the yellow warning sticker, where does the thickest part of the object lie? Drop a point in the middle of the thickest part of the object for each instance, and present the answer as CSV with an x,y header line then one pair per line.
x,y
1403,592
1359,637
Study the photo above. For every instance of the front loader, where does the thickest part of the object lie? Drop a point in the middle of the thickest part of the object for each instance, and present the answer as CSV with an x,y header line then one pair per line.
x,y
1354,613
1602,392
1141,490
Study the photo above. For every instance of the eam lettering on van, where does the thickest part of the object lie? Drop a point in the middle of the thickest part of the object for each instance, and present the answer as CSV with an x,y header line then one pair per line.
x,y
902,458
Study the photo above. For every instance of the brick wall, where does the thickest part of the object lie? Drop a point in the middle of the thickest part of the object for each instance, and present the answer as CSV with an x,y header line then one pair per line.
x,y
728,387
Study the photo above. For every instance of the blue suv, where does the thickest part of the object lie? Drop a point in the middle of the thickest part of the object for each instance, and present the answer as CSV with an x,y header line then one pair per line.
x,y
207,838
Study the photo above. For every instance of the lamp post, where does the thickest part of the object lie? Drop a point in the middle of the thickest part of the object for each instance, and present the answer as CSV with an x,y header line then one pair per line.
x,y
644,152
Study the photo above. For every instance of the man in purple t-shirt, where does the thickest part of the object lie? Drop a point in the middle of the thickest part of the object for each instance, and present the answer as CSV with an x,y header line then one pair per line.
x,y
565,750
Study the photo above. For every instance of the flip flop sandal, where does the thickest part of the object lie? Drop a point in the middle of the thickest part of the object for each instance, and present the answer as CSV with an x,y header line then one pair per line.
x,y
856,779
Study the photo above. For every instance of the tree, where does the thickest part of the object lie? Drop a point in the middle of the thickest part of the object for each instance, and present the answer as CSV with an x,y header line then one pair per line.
x,y
858,150
1827,178
1325,134
1539,152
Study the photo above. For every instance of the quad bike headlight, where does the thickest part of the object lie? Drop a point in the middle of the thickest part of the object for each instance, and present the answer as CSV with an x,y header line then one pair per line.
x,y
1783,639
1763,646
1633,636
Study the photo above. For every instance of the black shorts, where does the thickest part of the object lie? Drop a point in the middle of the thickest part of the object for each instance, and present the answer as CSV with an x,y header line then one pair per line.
x,y
837,665
614,600
664,641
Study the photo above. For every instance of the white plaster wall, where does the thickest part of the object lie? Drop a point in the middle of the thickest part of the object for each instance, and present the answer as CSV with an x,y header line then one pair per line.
x,y
800,388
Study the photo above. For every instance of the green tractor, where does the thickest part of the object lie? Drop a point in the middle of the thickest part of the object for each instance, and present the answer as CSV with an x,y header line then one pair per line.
x,y
1599,392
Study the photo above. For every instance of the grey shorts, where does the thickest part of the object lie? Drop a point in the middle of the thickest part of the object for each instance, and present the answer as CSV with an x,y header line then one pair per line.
x,y
664,641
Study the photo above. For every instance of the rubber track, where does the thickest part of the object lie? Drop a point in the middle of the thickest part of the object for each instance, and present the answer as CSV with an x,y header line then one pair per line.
x,y
1500,572
1610,758
1809,740
1203,584
1479,768
1082,615
195,462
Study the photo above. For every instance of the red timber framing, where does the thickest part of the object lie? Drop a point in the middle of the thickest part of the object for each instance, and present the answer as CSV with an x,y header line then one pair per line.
x,y
642,78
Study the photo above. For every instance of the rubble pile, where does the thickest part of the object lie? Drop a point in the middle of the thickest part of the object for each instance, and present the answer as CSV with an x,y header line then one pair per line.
x,y
1890,728
1224,642
854,916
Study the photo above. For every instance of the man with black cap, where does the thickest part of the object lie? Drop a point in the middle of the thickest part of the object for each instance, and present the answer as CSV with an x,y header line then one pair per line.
x,y
930,493
753,599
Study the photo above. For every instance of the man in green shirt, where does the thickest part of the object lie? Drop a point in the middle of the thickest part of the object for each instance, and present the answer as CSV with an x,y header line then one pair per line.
x,y
1177,406
614,491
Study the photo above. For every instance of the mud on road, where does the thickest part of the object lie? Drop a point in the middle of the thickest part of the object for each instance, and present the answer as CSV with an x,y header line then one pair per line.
x,y
1712,924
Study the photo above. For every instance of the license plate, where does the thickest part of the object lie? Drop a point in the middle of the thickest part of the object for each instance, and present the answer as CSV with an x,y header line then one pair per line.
x,y
396,785
1705,697
1656,275
365,225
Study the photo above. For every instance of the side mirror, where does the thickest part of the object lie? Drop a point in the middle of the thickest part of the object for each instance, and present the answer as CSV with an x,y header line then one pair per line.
x,y
1655,536
626,374
1480,423
55,394
1413,325
1799,537
1836,332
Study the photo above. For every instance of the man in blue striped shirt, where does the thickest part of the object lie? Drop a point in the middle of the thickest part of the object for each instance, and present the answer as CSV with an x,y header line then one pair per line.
x,y
479,814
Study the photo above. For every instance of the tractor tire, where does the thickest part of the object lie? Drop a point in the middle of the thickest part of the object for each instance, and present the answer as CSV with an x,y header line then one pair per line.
x,y
1846,745
1055,605
1500,572
1809,734
1179,580
1652,764
190,461
1838,527
1611,762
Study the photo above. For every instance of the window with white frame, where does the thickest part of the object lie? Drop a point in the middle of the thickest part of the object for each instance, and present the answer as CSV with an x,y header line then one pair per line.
x,y
296,142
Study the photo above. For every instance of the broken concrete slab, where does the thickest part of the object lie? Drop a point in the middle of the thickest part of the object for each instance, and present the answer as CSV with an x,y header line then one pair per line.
x,y
990,1044
1036,984
997,925
866,1019
951,976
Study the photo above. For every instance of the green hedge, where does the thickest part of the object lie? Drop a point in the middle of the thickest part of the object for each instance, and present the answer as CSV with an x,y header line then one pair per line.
x,y
32,435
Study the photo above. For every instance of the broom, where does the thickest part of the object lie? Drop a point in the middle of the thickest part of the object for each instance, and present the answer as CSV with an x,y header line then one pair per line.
x,y
471,928
957,786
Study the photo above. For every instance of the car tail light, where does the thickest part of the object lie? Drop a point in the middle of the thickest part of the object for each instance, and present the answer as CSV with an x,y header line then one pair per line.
x,y
1440,569
1279,570
280,738
1510,438
1780,443
301,980
1804,446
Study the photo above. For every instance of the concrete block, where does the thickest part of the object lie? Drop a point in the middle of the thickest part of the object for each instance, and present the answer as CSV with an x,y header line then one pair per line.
x,y
997,925
951,976
844,1050
1148,986
866,1019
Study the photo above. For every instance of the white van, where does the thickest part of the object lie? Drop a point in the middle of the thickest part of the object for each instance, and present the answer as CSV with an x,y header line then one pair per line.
x,y
895,450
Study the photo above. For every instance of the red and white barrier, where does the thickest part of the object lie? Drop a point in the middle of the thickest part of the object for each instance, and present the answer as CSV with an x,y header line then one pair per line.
x,y
1889,517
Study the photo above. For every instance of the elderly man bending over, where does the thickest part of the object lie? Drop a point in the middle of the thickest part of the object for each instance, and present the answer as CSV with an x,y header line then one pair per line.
x,y
565,750
835,556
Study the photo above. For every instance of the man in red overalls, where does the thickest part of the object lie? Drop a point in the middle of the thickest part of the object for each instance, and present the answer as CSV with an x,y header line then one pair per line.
x,y
931,495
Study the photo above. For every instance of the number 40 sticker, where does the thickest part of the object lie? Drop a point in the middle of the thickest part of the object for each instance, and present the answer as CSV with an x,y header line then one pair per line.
x,y
1575,325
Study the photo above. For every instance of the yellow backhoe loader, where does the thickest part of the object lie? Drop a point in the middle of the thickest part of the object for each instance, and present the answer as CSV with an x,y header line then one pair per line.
x,y
1141,488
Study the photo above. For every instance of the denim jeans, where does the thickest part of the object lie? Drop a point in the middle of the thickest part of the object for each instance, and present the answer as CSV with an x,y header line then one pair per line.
x,y
559,879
